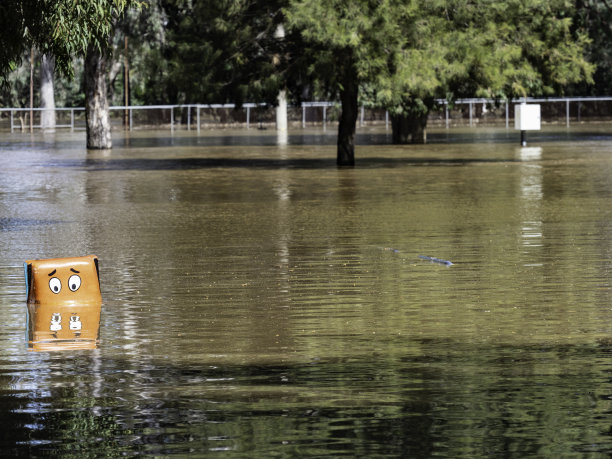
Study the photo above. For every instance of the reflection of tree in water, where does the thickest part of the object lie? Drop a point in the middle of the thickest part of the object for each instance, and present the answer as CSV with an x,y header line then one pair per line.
x,y
447,398
316,408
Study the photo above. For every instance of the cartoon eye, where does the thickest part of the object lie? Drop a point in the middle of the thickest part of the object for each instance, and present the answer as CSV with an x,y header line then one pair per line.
x,y
55,285
74,282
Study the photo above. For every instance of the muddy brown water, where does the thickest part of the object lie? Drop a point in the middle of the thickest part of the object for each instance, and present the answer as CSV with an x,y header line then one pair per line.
x,y
260,302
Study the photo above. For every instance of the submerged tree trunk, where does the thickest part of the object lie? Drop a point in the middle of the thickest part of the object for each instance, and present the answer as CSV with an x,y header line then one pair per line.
x,y
348,118
409,128
96,101
47,96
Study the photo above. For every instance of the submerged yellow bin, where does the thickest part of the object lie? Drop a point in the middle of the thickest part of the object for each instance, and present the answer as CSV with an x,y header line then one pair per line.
x,y
63,303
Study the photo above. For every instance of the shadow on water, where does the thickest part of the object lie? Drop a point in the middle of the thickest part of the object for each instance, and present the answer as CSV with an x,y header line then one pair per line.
x,y
258,163
328,137
16,224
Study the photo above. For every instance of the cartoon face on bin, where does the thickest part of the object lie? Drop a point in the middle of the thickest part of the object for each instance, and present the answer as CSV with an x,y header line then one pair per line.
x,y
64,303
63,280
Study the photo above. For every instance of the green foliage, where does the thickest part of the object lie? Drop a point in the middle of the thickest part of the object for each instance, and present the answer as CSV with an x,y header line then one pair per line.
x,y
62,28
493,49
219,51
403,53
362,34
145,30
594,17
408,53
16,93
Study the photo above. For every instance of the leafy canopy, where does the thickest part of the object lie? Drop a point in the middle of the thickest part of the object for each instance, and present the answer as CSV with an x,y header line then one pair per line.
x,y
63,28
595,18
218,51
364,34
406,53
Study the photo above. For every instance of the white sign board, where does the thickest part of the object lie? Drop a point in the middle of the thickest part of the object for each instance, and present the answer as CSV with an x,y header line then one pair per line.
x,y
527,117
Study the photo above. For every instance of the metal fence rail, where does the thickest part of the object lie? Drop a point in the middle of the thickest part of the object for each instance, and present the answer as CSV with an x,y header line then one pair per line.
x,y
191,115
507,104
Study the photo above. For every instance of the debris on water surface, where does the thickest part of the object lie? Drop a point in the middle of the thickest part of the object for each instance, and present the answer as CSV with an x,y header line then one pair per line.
x,y
440,261
437,260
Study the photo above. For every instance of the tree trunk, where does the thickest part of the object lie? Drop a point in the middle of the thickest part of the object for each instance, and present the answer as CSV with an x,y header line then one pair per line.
x,y
281,111
126,85
31,89
409,128
348,118
47,97
96,101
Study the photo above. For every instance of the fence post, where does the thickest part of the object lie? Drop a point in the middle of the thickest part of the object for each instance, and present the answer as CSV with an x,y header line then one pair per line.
x,y
303,115
470,114
131,118
72,120
446,113
507,116
189,117
12,125
386,120
324,115
198,117
172,118
362,115
567,113
248,120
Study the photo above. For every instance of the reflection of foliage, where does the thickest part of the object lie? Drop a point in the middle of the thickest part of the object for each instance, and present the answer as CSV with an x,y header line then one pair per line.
x,y
422,398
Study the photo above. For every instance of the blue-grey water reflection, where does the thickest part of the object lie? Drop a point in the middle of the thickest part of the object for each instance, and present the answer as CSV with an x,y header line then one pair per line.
x,y
258,301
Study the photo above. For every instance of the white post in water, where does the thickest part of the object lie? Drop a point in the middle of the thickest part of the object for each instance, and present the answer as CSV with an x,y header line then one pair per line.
x,y
526,118
281,108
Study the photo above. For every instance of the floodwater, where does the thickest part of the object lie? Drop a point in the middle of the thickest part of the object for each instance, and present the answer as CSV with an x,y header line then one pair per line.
x,y
260,302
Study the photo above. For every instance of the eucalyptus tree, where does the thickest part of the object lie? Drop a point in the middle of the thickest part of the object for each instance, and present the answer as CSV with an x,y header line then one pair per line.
x,y
64,29
96,67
